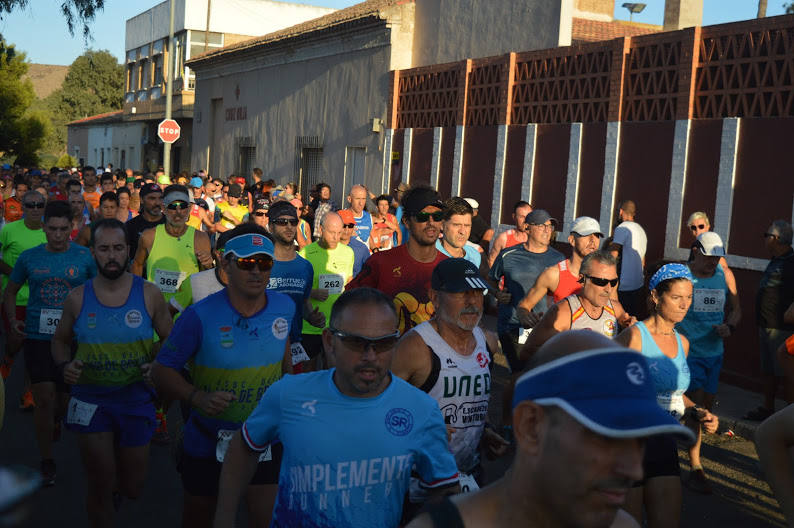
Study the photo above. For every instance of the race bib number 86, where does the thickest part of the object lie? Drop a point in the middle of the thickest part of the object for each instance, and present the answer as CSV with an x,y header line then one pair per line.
x,y
707,300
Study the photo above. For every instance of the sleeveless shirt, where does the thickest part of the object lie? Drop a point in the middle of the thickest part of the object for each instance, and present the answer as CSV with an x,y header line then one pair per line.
x,y
606,324
569,283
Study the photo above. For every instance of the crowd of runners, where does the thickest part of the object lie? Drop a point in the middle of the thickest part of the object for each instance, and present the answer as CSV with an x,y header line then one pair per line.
x,y
331,363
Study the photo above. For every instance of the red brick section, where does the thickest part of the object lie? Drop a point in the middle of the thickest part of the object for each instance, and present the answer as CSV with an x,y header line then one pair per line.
x,y
584,30
96,117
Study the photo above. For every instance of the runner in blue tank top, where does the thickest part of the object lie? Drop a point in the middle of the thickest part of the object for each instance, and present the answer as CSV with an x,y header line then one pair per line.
x,y
351,434
665,350
113,319
238,342
51,270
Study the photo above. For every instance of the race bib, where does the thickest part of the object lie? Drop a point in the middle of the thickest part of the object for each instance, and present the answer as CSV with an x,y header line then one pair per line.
x,y
48,320
467,483
298,353
707,300
169,281
523,335
224,437
672,402
80,412
333,282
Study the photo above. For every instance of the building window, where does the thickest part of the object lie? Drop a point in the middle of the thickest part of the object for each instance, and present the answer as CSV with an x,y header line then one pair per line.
x,y
146,75
158,70
354,166
246,159
308,161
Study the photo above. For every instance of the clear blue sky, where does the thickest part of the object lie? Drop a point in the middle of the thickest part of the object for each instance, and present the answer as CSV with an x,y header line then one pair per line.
x,y
40,30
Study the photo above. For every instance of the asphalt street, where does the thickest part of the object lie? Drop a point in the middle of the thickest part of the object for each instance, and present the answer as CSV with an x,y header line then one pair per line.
x,y
741,498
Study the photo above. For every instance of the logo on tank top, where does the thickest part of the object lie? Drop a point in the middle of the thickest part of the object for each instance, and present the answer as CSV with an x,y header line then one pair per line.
x,y
280,328
72,272
227,341
91,322
482,360
133,318
609,328
450,363
635,373
399,422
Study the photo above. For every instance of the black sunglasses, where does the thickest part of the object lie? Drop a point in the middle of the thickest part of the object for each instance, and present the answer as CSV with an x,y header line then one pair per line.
x,y
423,217
284,221
173,206
600,281
260,213
349,226
694,227
248,263
360,344
34,205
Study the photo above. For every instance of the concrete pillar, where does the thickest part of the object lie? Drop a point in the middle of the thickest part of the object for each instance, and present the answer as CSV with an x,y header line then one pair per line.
x,y
407,143
572,182
723,209
435,162
680,14
528,175
499,175
675,200
612,151
387,143
457,160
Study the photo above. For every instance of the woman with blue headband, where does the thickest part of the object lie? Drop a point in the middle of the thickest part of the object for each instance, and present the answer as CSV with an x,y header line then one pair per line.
x,y
666,350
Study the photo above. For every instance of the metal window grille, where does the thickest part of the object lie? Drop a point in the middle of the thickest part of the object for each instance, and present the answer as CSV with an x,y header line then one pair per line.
x,y
308,161
246,158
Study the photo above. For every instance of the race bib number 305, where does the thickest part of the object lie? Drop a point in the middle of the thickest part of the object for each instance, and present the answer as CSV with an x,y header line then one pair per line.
x,y
48,320
707,300
169,281
333,282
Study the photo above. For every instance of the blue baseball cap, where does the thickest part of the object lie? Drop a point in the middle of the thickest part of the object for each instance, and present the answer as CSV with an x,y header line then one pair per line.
x,y
607,390
196,182
249,244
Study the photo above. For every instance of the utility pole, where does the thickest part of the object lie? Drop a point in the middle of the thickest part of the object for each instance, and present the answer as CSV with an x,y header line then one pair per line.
x,y
169,89
207,29
761,8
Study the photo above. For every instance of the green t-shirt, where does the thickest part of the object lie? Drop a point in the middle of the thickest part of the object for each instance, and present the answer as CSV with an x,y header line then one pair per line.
x,y
14,239
333,268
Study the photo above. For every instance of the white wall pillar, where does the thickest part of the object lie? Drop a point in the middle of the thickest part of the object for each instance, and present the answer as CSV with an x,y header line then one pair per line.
x,y
387,144
408,138
435,162
611,154
572,182
499,175
675,199
528,175
723,209
457,160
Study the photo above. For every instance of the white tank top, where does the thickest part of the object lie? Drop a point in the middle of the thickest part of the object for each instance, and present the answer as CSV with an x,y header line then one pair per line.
x,y
462,390
606,324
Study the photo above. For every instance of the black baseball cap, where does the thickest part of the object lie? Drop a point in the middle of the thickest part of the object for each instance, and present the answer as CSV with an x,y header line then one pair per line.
x,y
282,208
149,188
455,275
235,191
417,199
539,217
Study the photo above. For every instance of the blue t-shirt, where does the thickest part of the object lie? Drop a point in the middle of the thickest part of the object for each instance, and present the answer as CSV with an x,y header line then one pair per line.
x,y
363,227
709,301
51,276
359,473
360,254
293,278
521,269
470,252
231,353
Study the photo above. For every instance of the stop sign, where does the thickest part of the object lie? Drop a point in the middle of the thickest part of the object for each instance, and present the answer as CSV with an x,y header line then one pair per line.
x,y
168,130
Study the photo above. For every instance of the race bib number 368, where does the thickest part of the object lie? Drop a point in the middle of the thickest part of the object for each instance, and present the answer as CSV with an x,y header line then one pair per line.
x,y
168,281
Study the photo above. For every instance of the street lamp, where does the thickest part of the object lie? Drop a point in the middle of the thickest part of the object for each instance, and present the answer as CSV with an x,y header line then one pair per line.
x,y
633,8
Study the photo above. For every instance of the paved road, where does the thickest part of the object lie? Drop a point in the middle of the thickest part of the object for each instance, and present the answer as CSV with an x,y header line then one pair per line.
x,y
741,498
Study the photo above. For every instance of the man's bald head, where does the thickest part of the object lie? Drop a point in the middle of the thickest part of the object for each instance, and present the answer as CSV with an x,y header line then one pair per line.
x,y
357,199
567,343
332,229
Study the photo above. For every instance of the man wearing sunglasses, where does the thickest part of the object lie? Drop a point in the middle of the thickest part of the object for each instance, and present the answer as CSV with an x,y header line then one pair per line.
x,y
292,275
520,267
403,273
351,434
332,263
449,357
238,342
591,309
51,270
173,251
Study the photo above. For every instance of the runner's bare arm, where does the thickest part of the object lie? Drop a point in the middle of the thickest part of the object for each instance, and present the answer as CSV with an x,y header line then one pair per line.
x,y
61,345
158,311
630,338
734,311
411,360
10,304
238,469
201,243
557,319
83,237
773,441
624,318
144,246
546,283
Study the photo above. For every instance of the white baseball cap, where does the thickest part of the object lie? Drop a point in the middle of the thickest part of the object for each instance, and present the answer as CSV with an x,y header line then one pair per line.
x,y
710,244
585,226
473,203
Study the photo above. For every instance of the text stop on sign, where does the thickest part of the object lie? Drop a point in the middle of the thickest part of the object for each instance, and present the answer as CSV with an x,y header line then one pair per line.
x,y
168,130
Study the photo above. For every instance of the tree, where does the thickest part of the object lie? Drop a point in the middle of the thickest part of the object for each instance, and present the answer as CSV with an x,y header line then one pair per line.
x,y
22,132
74,11
66,161
789,8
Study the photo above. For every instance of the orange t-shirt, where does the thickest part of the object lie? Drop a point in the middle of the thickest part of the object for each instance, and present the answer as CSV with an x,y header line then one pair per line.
x,y
92,198
13,210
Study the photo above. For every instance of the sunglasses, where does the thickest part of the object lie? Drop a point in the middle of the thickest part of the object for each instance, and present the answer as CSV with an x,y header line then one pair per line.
x,y
423,217
353,224
286,221
248,263
360,344
173,206
600,281
259,213
698,227
34,205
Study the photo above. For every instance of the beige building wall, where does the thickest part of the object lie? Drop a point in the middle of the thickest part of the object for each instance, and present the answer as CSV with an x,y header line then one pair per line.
x,y
452,30
77,142
330,90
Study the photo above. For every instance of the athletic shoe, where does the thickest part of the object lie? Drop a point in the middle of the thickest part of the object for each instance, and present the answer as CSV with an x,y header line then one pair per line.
x,y
26,402
48,472
698,482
